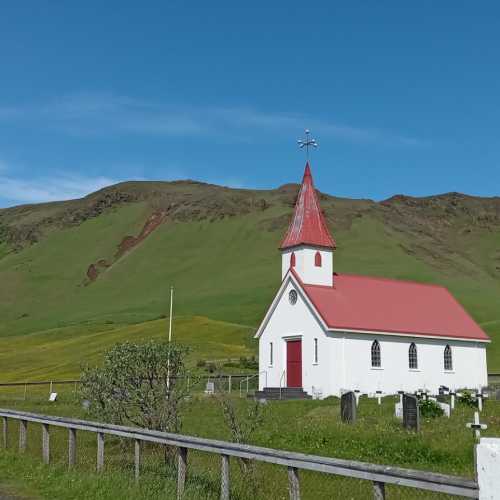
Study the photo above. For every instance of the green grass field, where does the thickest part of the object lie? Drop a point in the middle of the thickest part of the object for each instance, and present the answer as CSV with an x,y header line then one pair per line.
x,y
224,271
443,445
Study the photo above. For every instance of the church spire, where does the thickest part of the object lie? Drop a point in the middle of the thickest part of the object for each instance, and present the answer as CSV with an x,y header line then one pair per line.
x,y
308,225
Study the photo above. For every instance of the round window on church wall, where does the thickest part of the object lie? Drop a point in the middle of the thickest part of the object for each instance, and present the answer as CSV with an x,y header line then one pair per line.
x,y
292,297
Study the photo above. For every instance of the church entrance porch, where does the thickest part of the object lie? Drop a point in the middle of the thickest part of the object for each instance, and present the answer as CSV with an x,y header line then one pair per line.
x,y
294,363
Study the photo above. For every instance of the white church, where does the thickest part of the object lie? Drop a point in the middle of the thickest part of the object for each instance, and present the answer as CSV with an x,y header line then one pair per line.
x,y
327,332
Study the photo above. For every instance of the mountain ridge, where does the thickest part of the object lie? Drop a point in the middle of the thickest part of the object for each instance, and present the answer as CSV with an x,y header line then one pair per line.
x,y
108,257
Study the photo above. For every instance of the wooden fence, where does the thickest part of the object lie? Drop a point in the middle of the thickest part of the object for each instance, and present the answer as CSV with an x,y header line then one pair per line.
x,y
379,475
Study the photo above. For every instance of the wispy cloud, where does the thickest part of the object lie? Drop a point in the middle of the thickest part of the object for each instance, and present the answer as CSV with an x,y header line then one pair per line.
x,y
94,113
49,188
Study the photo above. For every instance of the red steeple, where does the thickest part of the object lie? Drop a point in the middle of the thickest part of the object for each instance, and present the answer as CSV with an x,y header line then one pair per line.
x,y
308,226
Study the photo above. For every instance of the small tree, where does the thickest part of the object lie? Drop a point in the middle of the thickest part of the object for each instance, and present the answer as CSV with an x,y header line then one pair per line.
x,y
242,425
139,384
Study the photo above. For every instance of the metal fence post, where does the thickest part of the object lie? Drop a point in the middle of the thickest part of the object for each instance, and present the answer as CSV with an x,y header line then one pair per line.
x,y
224,483
46,443
25,390
4,431
293,483
71,447
378,490
247,385
181,471
23,435
100,451
137,459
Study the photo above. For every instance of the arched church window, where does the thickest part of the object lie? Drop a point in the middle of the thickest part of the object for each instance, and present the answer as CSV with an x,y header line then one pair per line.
x,y
412,357
376,358
317,259
292,260
448,360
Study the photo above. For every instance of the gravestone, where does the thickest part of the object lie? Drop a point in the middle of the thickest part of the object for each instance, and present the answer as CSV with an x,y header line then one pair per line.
x,y
441,398
445,407
411,414
348,407
53,397
398,411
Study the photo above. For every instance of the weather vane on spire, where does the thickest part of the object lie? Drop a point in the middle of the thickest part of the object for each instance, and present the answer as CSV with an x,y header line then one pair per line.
x,y
307,142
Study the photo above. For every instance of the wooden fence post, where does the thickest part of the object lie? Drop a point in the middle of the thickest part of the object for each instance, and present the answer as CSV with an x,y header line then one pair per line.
x,y
293,483
71,448
181,471
100,451
137,459
46,443
4,431
23,435
224,483
229,384
378,490
25,390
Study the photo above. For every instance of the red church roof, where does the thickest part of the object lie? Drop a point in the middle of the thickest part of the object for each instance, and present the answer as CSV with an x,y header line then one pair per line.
x,y
384,305
308,226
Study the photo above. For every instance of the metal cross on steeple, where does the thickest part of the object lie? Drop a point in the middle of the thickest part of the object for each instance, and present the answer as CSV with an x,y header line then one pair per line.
x,y
307,142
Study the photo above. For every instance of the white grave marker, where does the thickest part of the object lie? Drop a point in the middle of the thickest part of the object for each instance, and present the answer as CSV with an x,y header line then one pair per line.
x,y
53,397
398,410
476,426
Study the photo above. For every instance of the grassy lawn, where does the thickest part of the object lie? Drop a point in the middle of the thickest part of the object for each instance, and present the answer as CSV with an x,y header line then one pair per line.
x,y
59,353
443,445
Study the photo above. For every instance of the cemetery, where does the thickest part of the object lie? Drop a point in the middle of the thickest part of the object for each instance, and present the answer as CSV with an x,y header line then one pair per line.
x,y
365,427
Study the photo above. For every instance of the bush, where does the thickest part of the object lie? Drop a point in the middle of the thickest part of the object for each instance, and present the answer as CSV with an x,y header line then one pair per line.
x,y
201,363
138,384
430,409
467,399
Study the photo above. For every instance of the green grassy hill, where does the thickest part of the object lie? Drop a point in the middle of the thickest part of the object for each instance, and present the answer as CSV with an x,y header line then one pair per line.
x,y
74,274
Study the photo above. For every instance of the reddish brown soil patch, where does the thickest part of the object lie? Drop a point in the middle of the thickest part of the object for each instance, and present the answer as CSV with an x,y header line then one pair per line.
x,y
92,272
126,245
130,242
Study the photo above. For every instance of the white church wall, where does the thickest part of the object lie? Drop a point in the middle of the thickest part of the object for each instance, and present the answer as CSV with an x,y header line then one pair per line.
x,y
469,364
296,321
305,265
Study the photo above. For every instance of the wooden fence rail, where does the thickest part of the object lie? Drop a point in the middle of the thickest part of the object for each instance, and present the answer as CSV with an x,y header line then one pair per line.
x,y
379,475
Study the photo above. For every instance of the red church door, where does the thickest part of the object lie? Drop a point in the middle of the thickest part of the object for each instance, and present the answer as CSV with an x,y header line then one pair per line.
x,y
294,363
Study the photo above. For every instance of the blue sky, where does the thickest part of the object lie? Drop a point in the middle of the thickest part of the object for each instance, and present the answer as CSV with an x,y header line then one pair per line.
x,y
402,97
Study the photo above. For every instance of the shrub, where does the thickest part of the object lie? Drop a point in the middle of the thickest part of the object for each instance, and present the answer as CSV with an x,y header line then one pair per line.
x,y
201,363
139,384
467,399
430,409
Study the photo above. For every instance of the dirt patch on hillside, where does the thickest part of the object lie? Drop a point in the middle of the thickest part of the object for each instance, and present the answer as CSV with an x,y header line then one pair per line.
x,y
150,225
127,244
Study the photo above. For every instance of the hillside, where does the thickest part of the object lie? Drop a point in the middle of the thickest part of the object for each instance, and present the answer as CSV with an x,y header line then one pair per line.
x,y
110,258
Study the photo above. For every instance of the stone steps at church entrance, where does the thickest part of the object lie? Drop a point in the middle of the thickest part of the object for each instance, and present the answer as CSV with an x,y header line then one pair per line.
x,y
286,393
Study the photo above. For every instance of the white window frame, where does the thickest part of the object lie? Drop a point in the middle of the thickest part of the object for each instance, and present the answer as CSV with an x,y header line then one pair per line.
x,y
416,368
448,370
372,366
315,352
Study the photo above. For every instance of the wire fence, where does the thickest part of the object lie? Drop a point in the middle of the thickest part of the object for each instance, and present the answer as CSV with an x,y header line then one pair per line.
x,y
242,384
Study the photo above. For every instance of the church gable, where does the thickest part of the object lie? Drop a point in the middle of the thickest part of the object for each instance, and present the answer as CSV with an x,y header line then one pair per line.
x,y
291,309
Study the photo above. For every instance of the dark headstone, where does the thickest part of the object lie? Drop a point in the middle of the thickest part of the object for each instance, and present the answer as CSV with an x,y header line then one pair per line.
x,y
441,398
348,407
411,414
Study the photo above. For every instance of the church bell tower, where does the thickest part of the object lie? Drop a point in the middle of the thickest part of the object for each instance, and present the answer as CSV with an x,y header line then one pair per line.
x,y
308,245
